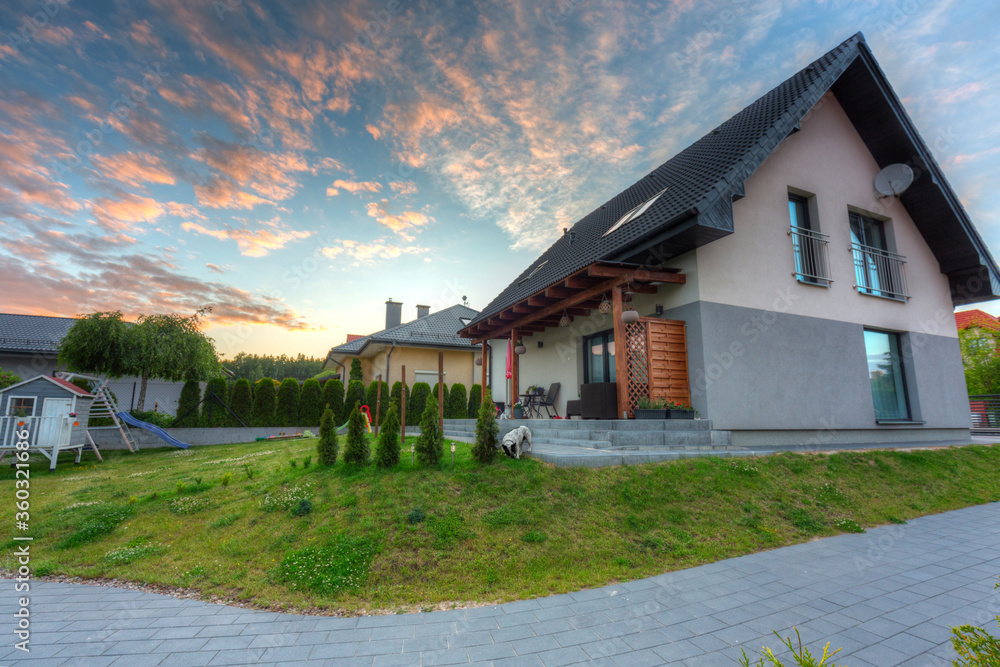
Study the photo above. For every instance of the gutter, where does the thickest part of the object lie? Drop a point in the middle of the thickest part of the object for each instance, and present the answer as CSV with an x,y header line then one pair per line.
x,y
343,371
388,361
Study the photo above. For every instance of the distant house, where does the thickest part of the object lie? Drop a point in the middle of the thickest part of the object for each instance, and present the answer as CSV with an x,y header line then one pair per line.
x,y
979,333
761,276
413,344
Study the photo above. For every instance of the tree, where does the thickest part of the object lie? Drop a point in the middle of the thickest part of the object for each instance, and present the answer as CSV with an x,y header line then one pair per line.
x,y
457,402
371,397
254,367
7,379
333,398
430,445
387,448
310,403
356,451
212,412
328,444
170,347
475,399
187,405
263,402
418,399
355,394
356,374
487,432
241,402
443,400
286,411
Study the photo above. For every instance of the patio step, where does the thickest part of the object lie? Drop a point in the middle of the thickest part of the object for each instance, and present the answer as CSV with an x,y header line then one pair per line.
x,y
574,457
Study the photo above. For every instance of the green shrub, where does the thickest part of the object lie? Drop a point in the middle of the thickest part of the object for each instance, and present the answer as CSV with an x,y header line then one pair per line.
x,y
801,656
187,405
303,507
310,403
442,400
487,432
226,479
457,402
371,399
341,565
387,448
241,402
153,417
430,445
976,647
415,406
355,394
475,400
333,398
356,374
263,402
397,394
356,450
7,379
212,412
286,411
328,444
415,515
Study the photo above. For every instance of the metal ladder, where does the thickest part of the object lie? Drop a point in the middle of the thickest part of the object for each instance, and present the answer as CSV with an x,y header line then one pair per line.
x,y
102,395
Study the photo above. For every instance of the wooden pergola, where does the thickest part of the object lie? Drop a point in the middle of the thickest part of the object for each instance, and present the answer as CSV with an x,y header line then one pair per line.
x,y
574,295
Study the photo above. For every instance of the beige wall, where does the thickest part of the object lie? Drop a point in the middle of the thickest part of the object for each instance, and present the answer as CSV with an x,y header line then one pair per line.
x,y
753,267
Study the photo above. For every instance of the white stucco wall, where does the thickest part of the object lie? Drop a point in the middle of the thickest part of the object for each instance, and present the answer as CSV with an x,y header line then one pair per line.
x,y
753,267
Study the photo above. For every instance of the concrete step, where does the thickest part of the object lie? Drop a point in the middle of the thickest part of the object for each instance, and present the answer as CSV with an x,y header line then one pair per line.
x,y
590,424
598,458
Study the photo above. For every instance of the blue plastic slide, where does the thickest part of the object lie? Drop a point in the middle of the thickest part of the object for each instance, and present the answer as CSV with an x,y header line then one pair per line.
x,y
152,428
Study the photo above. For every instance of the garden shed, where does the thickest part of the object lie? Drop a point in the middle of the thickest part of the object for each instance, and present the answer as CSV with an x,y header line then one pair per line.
x,y
53,411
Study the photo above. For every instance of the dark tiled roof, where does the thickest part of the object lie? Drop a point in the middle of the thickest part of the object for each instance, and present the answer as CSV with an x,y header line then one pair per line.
x,y
703,179
438,329
32,333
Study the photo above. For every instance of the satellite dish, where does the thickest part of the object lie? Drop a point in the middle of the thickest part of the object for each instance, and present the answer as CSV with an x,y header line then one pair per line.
x,y
894,180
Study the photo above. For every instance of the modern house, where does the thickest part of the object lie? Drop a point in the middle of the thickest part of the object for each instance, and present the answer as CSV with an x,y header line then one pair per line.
x,y
413,344
783,281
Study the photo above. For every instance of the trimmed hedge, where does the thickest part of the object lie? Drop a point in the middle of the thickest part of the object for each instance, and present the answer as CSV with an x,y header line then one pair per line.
x,y
333,398
355,394
310,403
475,400
356,451
457,402
430,443
371,398
264,403
415,406
212,412
241,402
187,412
286,412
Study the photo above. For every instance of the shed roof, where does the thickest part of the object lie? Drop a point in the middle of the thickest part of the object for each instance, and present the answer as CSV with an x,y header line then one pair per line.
x,y
59,382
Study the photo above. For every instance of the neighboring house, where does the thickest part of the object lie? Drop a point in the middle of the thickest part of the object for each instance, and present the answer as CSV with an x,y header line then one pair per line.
x,y
979,333
29,346
414,344
775,289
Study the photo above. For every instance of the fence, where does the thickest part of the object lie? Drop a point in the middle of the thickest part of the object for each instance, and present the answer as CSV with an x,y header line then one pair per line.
x,y
161,395
985,410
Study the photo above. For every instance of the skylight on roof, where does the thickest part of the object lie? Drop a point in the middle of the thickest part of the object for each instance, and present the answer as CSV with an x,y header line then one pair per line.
x,y
635,212
465,320
533,272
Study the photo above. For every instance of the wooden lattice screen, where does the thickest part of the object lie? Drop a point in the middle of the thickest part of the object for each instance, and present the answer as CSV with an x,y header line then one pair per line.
x,y
656,351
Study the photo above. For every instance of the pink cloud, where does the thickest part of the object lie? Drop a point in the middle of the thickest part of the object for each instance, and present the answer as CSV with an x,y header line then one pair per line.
x,y
354,187
366,253
134,169
123,215
251,242
402,224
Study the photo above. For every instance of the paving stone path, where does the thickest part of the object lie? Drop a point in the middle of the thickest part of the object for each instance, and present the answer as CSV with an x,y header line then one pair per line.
x,y
886,597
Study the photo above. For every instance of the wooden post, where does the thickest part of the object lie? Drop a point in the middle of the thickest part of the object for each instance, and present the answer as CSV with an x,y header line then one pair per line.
x,y
441,390
378,401
402,409
482,385
621,356
513,398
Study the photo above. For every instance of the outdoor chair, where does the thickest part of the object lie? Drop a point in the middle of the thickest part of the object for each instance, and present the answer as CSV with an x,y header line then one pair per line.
x,y
549,401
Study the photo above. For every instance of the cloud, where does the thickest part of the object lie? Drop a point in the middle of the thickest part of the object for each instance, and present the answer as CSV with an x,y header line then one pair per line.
x,y
214,268
252,242
401,223
237,169
403,187
354,187
123,215
134,169
367,253
223,193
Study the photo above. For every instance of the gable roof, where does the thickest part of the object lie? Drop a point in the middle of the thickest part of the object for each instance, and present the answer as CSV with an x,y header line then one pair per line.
x,y
438,329
64,384
695,189
32,333
976,318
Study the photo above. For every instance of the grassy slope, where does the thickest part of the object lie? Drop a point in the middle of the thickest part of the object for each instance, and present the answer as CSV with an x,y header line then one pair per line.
x,y
516,529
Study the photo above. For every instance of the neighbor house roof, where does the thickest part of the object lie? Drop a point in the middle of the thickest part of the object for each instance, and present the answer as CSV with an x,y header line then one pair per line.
x,y
976,318
68,386
32,333
438,329
695,189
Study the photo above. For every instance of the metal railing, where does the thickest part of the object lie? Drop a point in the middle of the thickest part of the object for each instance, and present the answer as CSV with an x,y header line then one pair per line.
x,y
812,256
879,272
985,410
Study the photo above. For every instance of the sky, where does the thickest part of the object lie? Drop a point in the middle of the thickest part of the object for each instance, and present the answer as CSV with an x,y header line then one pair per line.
x,y
293,165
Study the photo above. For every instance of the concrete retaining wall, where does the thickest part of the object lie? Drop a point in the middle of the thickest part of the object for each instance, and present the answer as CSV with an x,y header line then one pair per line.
x,y
111,439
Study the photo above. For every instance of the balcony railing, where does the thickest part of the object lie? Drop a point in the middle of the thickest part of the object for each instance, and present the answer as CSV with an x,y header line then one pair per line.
x,y
812,256
879,272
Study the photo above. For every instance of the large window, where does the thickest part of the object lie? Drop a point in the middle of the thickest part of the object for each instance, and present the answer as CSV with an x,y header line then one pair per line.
x,y
885,372
809,247
599,357
878,271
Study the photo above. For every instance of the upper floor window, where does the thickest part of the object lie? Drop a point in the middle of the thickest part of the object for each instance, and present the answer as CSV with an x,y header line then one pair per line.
x,y
810,248
877,270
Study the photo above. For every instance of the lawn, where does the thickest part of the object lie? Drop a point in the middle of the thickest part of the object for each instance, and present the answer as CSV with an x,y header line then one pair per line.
x,y
253,523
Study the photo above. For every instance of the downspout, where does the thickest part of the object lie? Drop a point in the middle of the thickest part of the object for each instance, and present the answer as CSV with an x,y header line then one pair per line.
x,y
343,372
388,360
489,368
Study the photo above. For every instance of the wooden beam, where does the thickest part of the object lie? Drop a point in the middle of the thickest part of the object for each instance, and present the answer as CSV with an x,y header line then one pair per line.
x,y
538,301
440,391
636,275
402,406
558,292
522,308
482,385
508,314
621,356
640,288
511,400
578,282
578,311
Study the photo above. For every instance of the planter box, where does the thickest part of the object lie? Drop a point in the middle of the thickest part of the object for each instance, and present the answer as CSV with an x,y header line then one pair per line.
x,y
680,414
641,413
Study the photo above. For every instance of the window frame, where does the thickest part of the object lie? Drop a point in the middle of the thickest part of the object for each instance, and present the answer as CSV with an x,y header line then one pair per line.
x,y
588,342
12,398
901,384
810,247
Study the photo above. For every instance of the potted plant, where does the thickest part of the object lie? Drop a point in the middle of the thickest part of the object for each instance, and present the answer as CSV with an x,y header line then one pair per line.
x,y
518,411
647,408
680,411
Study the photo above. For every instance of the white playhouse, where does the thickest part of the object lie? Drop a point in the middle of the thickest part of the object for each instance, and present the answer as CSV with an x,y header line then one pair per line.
x,y
53,411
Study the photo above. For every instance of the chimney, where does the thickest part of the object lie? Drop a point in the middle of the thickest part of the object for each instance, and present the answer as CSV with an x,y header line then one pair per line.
x,y
423,311
393,313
